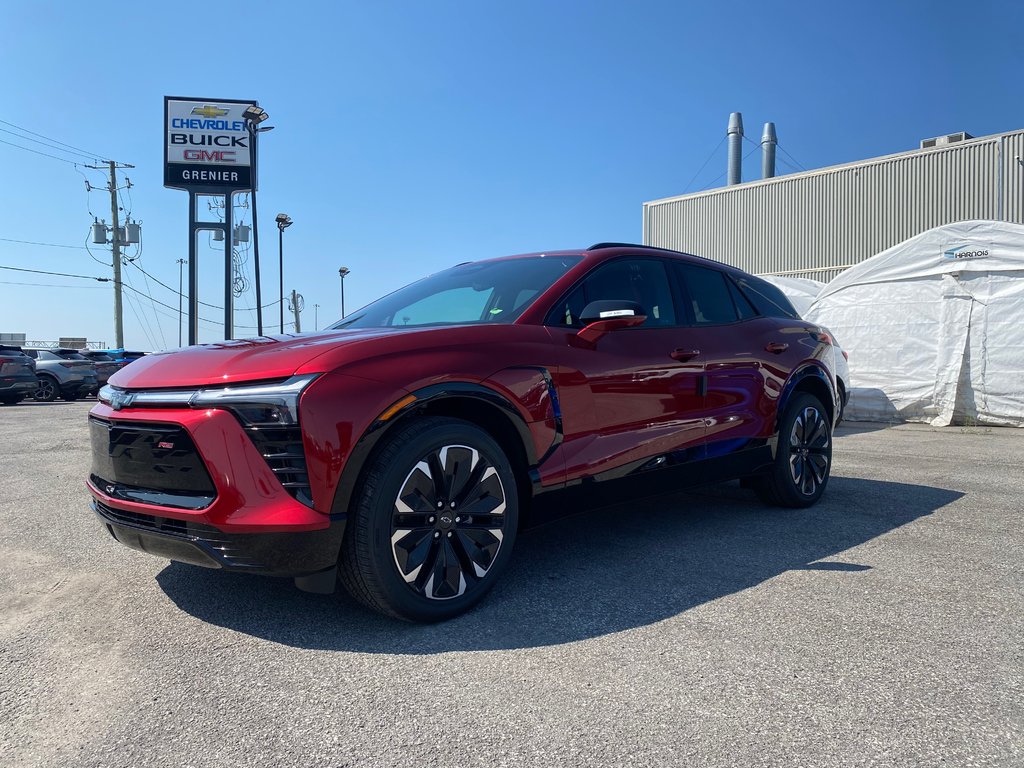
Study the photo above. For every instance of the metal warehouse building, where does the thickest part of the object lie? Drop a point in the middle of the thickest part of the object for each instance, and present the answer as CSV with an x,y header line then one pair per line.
x,y
817,223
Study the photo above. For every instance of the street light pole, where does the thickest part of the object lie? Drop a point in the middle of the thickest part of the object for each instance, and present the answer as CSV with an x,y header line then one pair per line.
x,y
180,263
342,272
316,317
283,222
254,116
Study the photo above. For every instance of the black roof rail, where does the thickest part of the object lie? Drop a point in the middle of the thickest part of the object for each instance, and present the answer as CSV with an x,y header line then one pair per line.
x,y
597,246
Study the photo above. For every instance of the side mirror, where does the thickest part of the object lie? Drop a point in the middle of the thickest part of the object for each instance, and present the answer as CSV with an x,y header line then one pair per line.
x,y
601,317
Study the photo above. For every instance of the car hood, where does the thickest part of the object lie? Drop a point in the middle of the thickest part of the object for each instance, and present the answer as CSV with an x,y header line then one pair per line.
x,y
266,357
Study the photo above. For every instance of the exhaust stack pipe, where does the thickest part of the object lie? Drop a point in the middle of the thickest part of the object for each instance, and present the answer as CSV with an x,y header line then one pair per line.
x,y
768,142
735,134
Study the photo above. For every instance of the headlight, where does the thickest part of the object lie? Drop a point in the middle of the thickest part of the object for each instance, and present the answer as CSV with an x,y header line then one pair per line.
x,y
258,405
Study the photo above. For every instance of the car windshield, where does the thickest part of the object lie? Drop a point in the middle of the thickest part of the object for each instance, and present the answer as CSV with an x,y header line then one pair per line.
x,y
476,292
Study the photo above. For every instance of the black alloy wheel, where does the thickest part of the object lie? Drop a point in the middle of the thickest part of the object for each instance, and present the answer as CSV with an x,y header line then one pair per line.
x,y
433,521
803,459
449,522
809,450
48,389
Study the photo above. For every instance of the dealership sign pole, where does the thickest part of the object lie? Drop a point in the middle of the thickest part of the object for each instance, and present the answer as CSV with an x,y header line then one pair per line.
x,y
207,152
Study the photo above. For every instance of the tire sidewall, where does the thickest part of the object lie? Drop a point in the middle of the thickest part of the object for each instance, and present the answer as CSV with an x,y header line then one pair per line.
x,y
377,511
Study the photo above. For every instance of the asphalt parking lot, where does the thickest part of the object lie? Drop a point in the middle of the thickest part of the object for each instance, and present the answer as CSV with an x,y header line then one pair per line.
x,y
883,627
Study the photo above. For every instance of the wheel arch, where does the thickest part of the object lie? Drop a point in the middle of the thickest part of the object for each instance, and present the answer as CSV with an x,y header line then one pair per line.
x,y
813,380
473,403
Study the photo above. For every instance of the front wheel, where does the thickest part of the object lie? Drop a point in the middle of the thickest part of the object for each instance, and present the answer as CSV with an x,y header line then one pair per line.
x,y
803,459
433,522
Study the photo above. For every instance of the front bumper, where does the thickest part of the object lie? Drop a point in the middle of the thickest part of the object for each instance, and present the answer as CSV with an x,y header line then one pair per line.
x,y
291,554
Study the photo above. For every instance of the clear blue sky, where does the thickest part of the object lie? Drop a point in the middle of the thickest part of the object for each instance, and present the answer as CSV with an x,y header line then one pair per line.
x,y
411,136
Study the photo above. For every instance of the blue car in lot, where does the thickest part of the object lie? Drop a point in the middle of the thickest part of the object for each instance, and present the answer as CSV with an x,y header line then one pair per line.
x,y
123,356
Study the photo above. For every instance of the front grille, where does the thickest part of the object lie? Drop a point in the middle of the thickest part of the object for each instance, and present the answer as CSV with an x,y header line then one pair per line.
x,y
282,449
151,463
165,525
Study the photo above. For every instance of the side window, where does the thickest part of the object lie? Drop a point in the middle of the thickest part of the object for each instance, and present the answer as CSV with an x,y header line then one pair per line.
x,y
709,295
768,299
644,281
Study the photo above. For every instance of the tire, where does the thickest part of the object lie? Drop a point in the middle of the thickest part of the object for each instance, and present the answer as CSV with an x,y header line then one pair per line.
x,y
48,390
803,459
414,548
842,404
12,399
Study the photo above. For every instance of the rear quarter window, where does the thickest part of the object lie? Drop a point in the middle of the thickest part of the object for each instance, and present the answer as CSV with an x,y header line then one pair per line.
x,y
767,298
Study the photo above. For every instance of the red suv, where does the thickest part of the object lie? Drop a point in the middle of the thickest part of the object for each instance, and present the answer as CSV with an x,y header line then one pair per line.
x,y
400,449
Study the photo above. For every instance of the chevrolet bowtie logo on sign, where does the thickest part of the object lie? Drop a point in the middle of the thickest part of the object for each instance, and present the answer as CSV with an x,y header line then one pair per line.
x,y
209,110
208,145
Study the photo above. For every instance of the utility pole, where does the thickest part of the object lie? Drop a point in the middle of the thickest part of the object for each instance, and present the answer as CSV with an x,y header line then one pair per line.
x,y
316,317
115,239
181,262
295,308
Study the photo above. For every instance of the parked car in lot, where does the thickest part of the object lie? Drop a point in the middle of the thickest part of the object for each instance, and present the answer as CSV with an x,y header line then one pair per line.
x,y
105,364
123,356
62,373
401,448
17,375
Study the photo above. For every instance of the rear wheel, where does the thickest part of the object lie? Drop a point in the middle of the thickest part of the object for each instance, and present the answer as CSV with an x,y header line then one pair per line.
x,y
803,460
11,399
48,389
433,523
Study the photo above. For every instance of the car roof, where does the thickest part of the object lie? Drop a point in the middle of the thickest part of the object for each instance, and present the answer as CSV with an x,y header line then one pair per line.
x,y
604,251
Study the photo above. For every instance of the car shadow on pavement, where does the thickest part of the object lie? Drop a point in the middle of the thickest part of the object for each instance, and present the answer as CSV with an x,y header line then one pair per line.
x,y
588,575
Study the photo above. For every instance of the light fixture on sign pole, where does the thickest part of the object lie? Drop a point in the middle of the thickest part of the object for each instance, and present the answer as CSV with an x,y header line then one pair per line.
x,y
253,116
342,272
283,222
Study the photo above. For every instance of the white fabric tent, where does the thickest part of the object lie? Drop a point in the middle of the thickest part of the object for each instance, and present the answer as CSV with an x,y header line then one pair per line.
x,y
935,327
800,290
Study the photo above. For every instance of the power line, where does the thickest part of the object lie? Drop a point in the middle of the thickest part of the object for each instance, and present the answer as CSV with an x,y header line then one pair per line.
x,y
48,245
142,308
48,145
58,274
41,136
37,152
168,306
51,285
175,290
144,327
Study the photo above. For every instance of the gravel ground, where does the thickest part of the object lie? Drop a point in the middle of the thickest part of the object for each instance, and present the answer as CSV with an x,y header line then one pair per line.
x,y
883,627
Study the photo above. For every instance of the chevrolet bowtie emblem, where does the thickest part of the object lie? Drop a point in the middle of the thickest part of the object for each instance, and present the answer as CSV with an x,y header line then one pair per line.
x,y
209,110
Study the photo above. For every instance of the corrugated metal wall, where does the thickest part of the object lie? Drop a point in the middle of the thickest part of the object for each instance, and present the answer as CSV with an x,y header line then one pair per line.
x,y
816,224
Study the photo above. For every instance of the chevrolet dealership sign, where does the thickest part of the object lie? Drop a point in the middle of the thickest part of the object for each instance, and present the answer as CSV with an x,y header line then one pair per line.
x,y
206,144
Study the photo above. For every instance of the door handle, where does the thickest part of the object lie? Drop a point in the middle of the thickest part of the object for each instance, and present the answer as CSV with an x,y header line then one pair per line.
x,y
776,346
682,355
